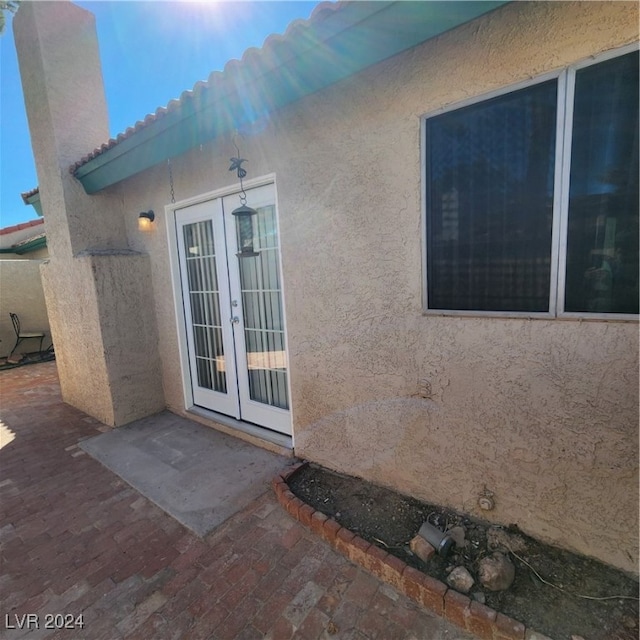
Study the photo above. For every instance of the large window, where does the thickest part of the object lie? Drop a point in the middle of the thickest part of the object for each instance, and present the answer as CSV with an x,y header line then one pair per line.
x,y
532,197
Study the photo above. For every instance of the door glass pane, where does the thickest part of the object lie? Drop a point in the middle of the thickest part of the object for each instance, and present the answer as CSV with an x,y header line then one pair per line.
x,y
490,180
206,327
602,243
262,304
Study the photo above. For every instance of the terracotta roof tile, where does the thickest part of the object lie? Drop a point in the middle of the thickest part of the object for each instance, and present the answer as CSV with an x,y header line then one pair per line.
x,y
22,225
252,57
27,194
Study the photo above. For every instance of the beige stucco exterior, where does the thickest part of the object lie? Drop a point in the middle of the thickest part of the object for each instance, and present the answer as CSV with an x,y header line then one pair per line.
x,y
21,293
542,413
21,288
97,290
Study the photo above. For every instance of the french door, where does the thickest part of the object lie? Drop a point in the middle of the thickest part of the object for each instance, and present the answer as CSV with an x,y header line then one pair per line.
x,y
233,310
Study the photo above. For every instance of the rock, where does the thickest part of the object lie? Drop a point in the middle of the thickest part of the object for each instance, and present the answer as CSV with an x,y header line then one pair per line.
x,y
629,622
458,535
422,548
530,634
500,539
478,596
460,579
577,638
496,572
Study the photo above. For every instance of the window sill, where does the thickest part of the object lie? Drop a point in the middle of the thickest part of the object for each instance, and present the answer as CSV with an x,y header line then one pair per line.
x,y
516,315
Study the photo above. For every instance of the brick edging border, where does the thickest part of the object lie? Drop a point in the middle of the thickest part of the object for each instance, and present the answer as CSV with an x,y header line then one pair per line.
x,y
482,621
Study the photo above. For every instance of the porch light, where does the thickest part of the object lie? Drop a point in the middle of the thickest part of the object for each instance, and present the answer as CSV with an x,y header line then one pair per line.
x,y
145,218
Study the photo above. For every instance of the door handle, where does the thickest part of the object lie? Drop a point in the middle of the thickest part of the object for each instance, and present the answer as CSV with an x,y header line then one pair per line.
x,y
235,320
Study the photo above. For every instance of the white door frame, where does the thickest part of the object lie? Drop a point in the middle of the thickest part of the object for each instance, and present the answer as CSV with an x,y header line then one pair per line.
x,y
251,410
211,210
176,284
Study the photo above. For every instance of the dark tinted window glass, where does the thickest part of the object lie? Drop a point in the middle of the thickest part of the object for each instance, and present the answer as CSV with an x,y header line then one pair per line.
x,y
490,203
602,249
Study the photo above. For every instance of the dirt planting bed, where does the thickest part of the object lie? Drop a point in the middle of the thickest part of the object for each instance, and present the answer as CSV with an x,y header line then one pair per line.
x,y
390,520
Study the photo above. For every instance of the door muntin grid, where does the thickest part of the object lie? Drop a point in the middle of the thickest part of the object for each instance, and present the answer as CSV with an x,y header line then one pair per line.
x,y
204,298
260,288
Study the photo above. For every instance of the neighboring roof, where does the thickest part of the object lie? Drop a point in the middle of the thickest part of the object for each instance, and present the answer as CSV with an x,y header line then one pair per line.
x,y
27,246
22,225
26,239
337,41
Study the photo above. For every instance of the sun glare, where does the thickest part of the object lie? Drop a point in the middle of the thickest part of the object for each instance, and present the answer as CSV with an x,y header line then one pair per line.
x,y
206,2
6,435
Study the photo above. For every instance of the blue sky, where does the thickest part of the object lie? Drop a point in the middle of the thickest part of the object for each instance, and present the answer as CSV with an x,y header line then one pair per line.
x,y
151,52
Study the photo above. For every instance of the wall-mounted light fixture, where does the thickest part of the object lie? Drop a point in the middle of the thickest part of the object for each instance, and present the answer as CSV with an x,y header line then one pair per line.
x,y
243,212
145,218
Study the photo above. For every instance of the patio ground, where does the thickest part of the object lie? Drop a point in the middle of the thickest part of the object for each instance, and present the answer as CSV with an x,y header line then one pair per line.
x,y
75,539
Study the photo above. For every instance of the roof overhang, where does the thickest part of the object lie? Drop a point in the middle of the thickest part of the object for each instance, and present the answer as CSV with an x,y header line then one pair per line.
x,y
33,198
310,58
27,246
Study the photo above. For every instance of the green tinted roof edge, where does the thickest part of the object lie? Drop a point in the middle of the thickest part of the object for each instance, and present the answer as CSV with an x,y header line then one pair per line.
x,y
232,104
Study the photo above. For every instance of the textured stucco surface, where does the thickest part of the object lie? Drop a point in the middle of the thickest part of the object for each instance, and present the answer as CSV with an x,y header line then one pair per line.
x,y
21,292
105,335
543,413
97,290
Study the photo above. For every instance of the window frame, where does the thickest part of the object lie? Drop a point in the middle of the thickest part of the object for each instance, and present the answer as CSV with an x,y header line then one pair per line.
x,y
565,78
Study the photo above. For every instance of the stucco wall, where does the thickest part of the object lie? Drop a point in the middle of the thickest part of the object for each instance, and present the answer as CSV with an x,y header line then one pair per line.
x,y
38,254
107,369
544,413
98,291
21,293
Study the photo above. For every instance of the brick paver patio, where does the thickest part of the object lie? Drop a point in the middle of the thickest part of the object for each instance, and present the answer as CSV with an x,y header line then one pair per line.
x,y
75,539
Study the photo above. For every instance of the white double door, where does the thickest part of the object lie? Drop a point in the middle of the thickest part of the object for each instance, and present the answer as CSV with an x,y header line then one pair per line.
x,y
233,311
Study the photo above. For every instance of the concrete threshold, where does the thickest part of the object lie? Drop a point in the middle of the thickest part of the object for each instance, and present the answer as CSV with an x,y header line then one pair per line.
x,y
196,474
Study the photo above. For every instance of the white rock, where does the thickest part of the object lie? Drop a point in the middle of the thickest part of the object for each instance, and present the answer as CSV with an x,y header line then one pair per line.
x,y
530,634
460,579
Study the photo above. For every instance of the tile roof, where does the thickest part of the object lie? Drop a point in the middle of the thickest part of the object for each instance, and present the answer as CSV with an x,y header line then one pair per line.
x,y
22,225
28,194
337,41
27,241
253,58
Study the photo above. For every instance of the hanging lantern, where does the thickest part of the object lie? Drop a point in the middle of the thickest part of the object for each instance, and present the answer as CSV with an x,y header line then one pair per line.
x,y
245,228
244,213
